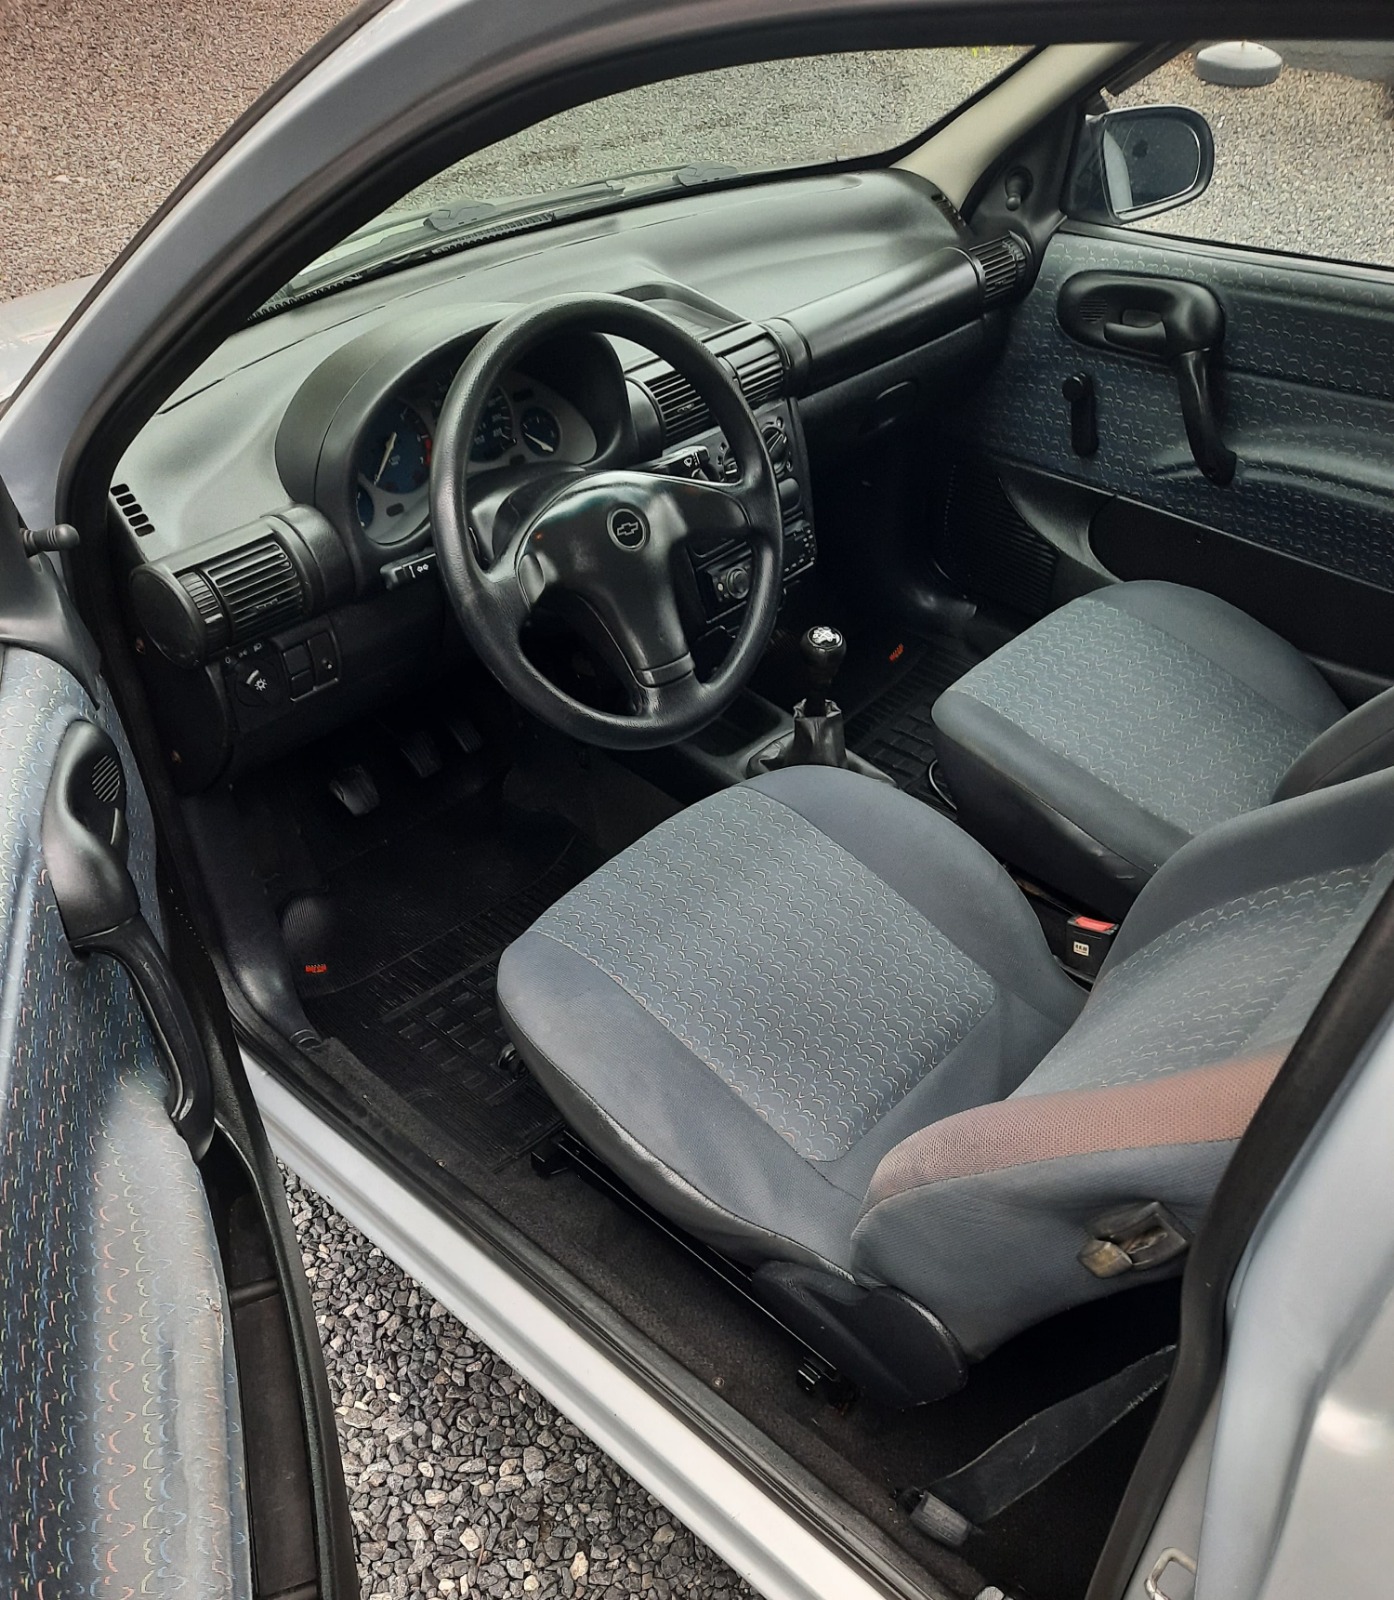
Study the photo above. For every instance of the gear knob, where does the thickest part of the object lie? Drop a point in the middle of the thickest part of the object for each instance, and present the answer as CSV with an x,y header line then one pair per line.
x,y
823,650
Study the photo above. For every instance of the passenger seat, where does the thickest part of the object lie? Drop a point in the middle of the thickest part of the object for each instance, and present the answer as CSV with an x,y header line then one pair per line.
x,y
1095,744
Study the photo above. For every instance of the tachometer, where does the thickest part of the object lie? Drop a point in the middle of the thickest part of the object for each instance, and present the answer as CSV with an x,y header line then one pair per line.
x,y
494,433
541,430
395,456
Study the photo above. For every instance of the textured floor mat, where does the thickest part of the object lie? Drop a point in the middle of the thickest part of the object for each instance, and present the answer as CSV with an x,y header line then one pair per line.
x,y
425,1024
894,731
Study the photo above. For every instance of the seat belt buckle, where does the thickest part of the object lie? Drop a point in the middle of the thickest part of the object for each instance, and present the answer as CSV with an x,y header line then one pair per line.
x,y
1088,941
1134,1239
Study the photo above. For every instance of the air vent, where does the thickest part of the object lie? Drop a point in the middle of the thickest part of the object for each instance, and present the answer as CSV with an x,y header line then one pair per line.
x,y
681,408
752,355
132,512
209,607
1001,262
948,210
760,372
258,587
106,779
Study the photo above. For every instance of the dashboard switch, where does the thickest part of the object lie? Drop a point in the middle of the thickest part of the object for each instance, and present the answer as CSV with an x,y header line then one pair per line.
x,y
258,680
324,658
408,569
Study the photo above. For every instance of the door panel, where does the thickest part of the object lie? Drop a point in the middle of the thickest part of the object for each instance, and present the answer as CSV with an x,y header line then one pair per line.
x,y
1304,388
120,1427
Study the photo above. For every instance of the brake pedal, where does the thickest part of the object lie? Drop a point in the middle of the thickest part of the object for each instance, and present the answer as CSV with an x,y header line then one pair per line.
x,y
467,737
355,790
421,753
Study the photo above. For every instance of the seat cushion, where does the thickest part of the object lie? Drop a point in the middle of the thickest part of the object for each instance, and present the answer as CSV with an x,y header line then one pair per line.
x,y
1091,747
1214,974
746,1010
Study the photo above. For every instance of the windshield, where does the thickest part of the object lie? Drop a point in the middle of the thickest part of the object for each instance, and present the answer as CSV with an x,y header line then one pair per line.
x,y
675,134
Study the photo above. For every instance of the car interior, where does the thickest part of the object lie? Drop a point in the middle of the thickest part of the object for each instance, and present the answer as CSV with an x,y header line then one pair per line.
x,y
799,748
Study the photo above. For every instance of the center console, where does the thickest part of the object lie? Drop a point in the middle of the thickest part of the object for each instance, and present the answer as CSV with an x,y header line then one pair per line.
x,y
719,586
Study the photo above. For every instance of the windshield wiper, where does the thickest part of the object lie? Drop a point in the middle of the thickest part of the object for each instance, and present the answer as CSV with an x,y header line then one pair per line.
x,y
450,228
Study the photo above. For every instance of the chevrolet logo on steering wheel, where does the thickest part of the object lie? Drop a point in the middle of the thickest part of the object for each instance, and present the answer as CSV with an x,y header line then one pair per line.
x,y
628,528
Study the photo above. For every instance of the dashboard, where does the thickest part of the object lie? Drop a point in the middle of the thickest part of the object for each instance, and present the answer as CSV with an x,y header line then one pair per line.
x,y
273,516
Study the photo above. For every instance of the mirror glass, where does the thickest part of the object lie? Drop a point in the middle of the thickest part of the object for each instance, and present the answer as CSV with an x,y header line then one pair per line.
x,y
1149,158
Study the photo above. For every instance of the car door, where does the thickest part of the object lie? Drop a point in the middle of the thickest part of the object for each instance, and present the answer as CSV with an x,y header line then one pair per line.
x,y
164,1421
1078,460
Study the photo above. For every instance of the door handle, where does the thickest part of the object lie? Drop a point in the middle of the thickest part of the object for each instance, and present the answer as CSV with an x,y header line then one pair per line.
x,y
84,848
1167,320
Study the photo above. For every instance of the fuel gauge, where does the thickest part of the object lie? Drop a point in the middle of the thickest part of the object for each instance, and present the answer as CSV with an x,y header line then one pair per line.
x,y
541,430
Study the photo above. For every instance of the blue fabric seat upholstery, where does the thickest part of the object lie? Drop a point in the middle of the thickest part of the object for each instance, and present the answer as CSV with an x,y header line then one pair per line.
x,y
814,1022
1092,746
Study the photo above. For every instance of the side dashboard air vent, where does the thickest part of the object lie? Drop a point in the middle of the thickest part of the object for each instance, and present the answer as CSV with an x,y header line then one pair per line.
x,y
131,511
1002,263
258,587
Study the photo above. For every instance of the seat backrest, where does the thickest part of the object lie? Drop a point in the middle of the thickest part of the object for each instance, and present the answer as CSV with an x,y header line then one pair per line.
x,y
983,1217
1360,743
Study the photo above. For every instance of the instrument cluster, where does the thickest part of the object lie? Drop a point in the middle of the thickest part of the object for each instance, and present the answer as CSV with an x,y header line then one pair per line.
x,y
523,422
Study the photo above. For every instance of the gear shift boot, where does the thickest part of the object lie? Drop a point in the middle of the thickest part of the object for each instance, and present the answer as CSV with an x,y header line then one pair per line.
x,y
818,737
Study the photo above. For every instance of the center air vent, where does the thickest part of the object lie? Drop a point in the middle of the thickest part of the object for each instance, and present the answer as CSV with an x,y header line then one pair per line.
x,y
760,372
755,360
681,408
1002,263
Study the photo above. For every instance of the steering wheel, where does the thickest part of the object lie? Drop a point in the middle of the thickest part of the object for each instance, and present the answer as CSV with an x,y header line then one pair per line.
x,y
603,543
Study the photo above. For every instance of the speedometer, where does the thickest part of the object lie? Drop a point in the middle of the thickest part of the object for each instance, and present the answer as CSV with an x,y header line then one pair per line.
x,y
494,432
395,456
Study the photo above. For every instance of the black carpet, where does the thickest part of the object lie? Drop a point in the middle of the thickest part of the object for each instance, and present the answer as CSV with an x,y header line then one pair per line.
x,y
893,729
427,1024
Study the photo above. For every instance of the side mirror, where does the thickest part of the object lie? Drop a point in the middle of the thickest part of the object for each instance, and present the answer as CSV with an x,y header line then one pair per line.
x,y
1136,161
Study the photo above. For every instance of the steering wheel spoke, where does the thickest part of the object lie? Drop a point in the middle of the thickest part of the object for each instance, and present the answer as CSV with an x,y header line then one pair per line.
x,y
603,544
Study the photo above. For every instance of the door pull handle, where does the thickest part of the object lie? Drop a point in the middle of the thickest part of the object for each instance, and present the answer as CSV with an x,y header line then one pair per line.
x,y
1164,320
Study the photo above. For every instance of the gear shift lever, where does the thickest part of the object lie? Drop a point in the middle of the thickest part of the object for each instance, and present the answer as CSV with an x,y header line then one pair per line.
x,y
818,736
823,650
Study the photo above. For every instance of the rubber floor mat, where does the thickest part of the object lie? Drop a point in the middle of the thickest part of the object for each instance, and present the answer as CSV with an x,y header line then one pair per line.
x,y
894,731
427,1027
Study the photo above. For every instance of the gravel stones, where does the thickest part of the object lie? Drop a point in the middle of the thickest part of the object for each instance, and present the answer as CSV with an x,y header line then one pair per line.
x,y
462,1480
1300,164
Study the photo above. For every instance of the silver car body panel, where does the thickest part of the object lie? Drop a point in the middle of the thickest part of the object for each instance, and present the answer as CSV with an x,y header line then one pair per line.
x,y
1291,1497
760,1538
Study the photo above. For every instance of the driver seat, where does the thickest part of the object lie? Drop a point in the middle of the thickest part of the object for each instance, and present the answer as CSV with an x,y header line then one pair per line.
x,y
817,1025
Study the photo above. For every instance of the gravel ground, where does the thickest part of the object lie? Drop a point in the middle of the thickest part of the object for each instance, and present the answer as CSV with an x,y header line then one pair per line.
x,y
1305,163
105,108
463,1480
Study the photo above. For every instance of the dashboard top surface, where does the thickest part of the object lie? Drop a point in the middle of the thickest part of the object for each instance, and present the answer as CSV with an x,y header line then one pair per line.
x,y
206,462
